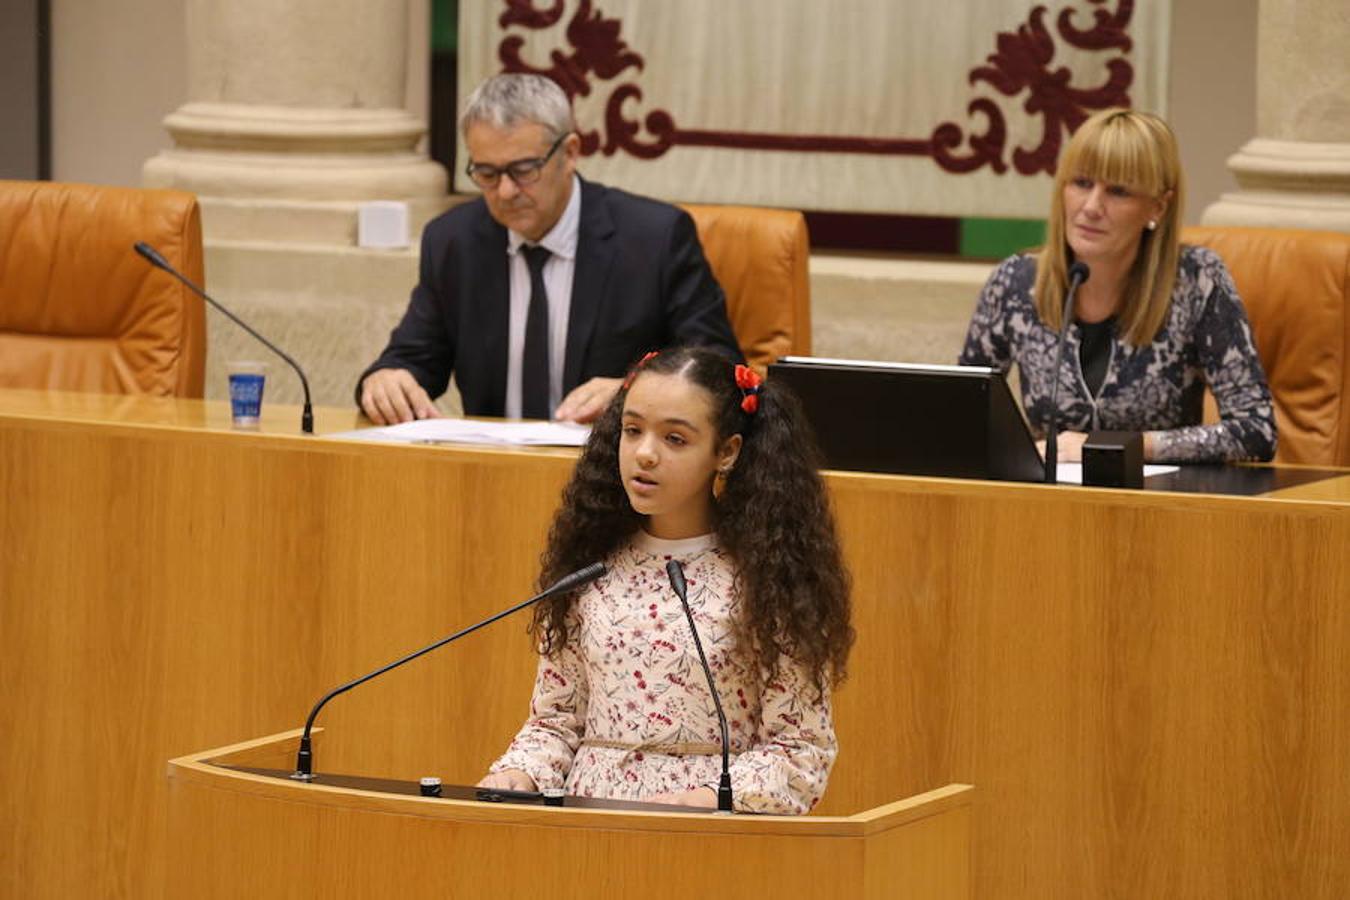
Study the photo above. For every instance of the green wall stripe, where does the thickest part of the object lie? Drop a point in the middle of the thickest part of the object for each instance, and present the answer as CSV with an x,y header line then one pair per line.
x,y
444,26
997,238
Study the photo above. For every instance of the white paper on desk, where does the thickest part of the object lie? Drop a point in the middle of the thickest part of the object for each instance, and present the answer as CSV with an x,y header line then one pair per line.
x,y
466,431
1072,473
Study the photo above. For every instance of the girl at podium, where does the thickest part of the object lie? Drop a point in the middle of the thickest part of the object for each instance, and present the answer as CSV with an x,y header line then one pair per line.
x,y
1154,323
699,461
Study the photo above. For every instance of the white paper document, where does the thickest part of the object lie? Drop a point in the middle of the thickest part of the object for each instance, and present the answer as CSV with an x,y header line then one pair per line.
x,y
466,431
1072,473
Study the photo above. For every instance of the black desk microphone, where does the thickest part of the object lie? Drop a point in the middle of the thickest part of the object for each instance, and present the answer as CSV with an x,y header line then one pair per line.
x,y
676,574
153,255
1078,273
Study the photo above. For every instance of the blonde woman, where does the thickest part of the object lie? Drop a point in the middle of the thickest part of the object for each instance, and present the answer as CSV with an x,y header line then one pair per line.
x,y
1153,325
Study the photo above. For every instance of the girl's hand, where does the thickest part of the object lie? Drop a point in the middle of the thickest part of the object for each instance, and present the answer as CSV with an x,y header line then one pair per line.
x,y
703,798
508,780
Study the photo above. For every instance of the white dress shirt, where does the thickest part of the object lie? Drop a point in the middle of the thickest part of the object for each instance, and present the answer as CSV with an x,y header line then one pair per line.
x,y
561,242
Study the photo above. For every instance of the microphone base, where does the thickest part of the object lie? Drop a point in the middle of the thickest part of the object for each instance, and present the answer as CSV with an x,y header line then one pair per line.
x,y
1114,459
724,804
303,776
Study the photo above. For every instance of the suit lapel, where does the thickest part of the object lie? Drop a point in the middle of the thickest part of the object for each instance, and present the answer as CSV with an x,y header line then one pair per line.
x,y
595,256
494,302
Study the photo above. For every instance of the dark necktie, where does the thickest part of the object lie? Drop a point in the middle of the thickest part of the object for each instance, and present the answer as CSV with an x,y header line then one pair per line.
x,y
534,364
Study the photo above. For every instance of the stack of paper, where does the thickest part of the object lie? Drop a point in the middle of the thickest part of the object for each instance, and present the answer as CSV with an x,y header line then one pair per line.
x,y
1072,473
467,431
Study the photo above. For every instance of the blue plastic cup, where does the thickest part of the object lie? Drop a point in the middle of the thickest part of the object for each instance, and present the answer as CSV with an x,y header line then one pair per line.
x,y
246,393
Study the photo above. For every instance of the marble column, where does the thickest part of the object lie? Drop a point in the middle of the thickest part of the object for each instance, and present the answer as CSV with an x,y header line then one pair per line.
x,y
1295,173
297,115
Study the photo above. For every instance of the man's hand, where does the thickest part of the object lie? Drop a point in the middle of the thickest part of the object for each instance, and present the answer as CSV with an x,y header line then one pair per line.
x,y
390,396
587,401
508,780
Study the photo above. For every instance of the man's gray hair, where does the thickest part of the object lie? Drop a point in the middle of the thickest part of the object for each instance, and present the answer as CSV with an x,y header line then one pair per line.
x,y
505,101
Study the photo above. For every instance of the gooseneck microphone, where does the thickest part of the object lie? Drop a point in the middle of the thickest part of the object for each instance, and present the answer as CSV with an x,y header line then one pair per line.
x,y
153,255
1078,273
676,574
304,761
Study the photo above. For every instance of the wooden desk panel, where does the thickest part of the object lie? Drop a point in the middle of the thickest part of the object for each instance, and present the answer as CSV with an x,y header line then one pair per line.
x,y
1151,703
1332,490
1147,690
163,588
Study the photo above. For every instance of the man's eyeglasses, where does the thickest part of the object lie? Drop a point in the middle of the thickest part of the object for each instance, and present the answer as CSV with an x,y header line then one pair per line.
x,y
522,171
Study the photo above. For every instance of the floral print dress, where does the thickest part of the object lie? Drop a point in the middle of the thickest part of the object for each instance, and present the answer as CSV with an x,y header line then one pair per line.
x,y
1158,387
623,710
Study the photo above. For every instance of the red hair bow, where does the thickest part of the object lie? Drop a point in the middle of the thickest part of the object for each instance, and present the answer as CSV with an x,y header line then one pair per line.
x,y
748,380
632,373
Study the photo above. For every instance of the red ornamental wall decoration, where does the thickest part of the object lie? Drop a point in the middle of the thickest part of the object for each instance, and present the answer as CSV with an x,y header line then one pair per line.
x,y
1022,64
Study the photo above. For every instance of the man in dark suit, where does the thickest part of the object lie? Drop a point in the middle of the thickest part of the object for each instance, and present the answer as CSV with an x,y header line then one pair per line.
x,y
539,295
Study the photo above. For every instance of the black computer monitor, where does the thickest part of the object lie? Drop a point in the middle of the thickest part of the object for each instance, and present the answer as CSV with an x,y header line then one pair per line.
x,y
907,419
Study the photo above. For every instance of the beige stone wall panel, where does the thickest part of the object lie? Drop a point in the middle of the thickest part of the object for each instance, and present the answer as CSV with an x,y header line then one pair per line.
x,y
323,53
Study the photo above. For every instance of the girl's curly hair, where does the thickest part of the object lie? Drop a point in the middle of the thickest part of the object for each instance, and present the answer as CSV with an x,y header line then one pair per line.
x,y
773,518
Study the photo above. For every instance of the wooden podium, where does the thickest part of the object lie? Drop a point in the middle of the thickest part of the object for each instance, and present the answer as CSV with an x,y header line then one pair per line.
x,y
239,834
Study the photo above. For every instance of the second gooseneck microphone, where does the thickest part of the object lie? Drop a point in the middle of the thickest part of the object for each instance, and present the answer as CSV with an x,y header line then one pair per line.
x,y
676,574
1078,273
158,261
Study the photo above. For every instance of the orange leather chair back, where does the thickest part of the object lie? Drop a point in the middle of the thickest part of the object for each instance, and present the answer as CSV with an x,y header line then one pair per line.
x,y
760,257
80,309
1295,285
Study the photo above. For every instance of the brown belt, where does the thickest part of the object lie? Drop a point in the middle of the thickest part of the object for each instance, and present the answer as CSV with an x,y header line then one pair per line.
x,y
681,748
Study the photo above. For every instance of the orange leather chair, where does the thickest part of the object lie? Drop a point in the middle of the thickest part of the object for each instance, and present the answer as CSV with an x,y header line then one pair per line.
x,y
760,257
1296,288
79,309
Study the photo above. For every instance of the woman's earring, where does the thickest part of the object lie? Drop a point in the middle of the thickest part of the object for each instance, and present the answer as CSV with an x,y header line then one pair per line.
x,y
720,482
1152,224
